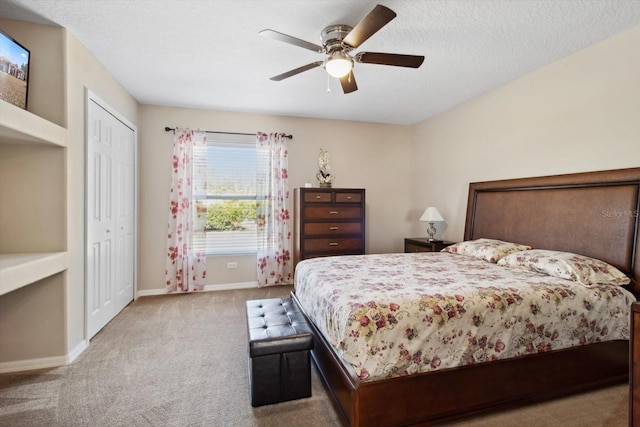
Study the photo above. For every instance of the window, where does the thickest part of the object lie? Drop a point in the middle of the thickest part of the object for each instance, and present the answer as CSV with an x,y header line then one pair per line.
x,y
228,195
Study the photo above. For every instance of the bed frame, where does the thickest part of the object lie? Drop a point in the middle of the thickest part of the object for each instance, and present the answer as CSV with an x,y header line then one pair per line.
x,y
595,214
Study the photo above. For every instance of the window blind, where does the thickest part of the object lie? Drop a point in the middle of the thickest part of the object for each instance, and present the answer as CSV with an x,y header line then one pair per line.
x,y
228,195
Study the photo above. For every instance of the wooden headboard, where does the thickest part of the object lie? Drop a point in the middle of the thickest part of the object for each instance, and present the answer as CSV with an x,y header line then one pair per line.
x,y
593,214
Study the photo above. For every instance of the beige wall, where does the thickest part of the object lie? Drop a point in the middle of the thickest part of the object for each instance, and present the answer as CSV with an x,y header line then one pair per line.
x,y
363,155
47,319
579,114
83,72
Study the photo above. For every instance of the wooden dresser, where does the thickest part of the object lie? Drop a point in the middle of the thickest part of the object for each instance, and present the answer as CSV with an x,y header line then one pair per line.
x,y
328,221
634,367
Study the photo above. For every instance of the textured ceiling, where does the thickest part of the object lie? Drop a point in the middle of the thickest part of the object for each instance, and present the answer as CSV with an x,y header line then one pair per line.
x,y
208,54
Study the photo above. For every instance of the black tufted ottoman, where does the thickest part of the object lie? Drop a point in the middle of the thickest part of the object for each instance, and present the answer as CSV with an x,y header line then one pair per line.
x,y
279,344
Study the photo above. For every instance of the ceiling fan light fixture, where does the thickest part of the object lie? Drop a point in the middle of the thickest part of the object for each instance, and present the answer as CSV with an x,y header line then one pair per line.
x,y
338,65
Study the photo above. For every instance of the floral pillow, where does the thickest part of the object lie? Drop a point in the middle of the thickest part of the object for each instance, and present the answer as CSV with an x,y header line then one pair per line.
x,y
565,265
487,249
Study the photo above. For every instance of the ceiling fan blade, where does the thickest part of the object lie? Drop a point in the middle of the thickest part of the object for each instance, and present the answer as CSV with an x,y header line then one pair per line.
x,y
370,24
275,35
296,71
397,60
348,83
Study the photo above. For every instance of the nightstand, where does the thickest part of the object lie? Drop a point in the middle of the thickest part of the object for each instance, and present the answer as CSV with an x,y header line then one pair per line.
x,y
422,244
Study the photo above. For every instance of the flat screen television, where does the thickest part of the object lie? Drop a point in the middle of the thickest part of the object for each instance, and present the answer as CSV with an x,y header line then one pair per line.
x,y
14,71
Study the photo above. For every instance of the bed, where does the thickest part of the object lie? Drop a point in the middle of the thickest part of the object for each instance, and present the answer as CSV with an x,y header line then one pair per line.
x,y
594,214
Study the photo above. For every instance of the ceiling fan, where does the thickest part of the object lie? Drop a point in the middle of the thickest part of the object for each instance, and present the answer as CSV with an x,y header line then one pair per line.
x,y
337,43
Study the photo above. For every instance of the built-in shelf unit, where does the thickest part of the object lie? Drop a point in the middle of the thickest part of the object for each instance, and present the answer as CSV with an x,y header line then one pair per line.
x,y
20,127
18,270
34,242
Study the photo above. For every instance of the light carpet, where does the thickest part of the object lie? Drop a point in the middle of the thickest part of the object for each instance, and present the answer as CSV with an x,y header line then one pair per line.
x,y
181,360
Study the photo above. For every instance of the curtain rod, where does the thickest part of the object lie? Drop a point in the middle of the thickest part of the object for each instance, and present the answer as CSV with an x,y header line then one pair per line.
x,y
168,129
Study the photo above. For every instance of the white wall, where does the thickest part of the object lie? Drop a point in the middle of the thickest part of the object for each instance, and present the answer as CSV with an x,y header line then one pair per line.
x,y
579,114
362,155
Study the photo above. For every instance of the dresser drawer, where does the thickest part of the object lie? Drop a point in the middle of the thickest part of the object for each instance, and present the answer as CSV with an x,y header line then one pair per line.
x,y
337,244
317,197
333,212
333,228
348,197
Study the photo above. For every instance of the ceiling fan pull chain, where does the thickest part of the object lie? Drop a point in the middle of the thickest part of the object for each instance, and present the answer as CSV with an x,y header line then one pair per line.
x,y
328,84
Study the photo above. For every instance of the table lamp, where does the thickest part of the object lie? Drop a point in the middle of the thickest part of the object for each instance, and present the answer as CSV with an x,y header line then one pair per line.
x,y
431,215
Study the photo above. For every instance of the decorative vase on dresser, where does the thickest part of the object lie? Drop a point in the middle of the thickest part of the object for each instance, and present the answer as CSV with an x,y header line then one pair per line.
x,y
328,222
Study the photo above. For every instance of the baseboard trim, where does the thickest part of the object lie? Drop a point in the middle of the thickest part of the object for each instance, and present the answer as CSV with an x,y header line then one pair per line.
x,y
32,364
207,288
77,351
231,286
151,292
43,362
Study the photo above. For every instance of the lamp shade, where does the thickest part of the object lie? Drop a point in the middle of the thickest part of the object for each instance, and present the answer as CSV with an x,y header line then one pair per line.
x,y
431,214
338,65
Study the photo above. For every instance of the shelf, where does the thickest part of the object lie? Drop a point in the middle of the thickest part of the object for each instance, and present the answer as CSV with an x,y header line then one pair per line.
x,y
19,270
21,126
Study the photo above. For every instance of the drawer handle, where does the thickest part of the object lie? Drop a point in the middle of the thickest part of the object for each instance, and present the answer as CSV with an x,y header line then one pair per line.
x,y
317,197
333,212
348,197
333,228
333,244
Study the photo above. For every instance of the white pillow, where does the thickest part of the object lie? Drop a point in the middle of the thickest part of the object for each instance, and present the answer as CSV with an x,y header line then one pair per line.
x,y
566,265
490,250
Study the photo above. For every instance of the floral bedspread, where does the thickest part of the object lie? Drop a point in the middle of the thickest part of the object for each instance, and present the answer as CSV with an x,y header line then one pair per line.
x,y
398,314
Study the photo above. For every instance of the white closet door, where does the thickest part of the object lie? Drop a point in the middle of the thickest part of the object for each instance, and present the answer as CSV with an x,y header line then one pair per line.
x,y
125,220
100,220
110,216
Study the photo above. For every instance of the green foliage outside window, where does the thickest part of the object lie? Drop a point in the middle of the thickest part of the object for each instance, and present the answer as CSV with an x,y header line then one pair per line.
x,y
231,215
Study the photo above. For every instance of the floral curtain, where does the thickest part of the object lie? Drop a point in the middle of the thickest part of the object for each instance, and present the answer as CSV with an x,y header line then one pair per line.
x,y
275,266
186,261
